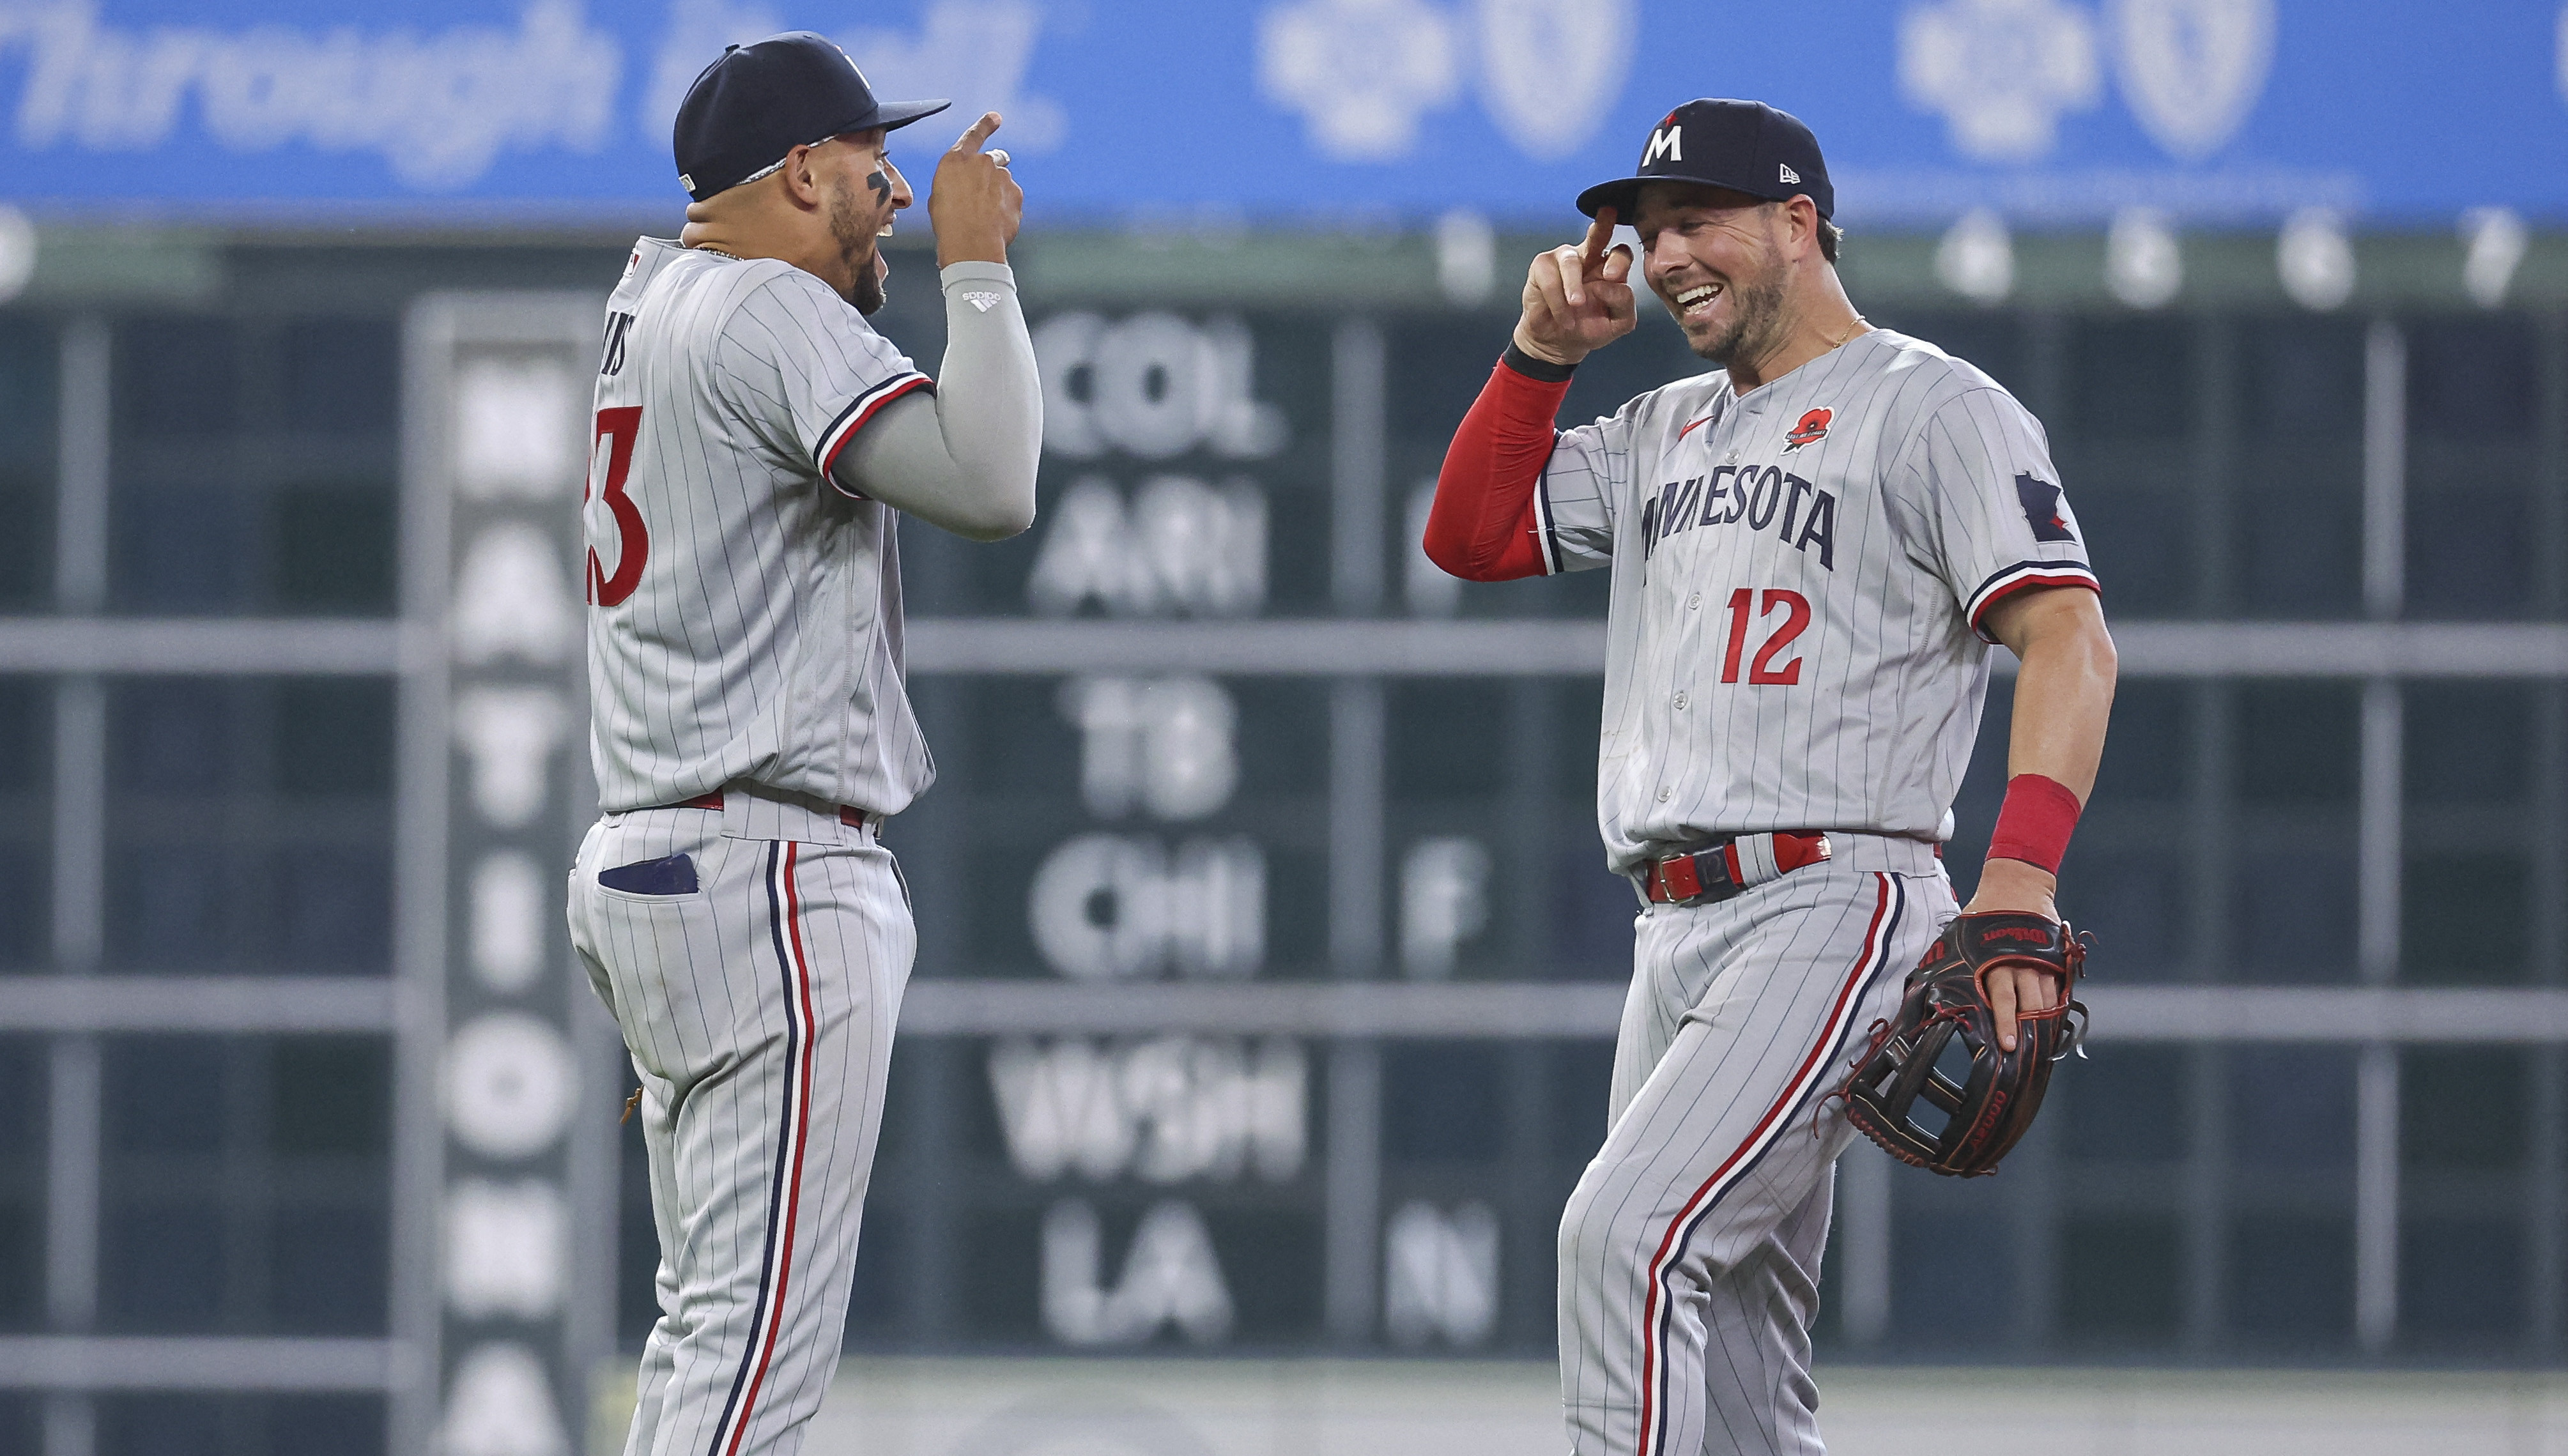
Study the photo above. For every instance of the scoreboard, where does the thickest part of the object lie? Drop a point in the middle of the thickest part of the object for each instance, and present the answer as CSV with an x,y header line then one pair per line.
x,y
1267,967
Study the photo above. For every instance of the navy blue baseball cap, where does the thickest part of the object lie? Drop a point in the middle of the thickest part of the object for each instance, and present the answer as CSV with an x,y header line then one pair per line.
x,y
1745,146
760,100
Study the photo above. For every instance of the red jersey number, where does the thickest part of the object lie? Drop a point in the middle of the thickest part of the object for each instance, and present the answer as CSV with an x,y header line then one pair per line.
x,y
617,431
1761,672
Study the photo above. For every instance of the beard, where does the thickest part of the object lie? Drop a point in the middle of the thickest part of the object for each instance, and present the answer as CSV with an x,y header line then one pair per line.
x,y
867,296
856,230
1756,319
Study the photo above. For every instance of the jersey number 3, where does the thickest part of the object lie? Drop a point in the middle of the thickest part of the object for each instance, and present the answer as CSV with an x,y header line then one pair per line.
x,y
1762,670
613,447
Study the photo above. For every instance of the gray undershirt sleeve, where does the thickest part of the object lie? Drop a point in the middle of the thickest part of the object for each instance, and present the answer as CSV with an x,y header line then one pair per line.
x,y
965,458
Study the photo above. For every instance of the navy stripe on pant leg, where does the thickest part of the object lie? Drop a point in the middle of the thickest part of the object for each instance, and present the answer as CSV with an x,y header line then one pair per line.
x,y
735,1416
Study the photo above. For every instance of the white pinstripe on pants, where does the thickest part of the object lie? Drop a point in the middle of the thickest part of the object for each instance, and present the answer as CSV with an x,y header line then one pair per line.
x,y
759,1011
1690,1251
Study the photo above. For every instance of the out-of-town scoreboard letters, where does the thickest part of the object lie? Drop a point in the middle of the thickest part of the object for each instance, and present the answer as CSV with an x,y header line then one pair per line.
x,y
1200,469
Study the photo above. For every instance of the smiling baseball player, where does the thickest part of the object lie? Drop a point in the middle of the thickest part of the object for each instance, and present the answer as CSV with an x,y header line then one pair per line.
x,y
755,438
1813,547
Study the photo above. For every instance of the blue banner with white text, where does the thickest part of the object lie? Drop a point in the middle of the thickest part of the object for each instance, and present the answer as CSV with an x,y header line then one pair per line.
x,y
1330,110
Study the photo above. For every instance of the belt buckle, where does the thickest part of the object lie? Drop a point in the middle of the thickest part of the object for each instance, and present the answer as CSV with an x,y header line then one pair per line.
x,y
1690,866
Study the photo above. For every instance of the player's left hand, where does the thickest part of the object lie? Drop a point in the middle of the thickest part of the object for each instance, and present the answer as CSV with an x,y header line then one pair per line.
x,y
2012,884
974,203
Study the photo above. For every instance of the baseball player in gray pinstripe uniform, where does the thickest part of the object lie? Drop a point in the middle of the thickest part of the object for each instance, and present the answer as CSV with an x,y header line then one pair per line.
x,y
753,439
1813,547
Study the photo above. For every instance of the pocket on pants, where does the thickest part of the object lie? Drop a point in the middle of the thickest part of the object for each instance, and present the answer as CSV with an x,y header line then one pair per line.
x,y
650,879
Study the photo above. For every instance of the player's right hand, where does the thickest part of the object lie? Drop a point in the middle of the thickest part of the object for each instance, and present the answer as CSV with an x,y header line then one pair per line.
x,y
974,203
1579,299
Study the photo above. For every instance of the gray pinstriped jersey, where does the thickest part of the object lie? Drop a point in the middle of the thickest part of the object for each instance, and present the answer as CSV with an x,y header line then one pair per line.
x,y
1799,574
746,621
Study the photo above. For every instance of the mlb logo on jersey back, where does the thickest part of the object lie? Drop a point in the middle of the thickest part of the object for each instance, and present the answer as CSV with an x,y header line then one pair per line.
x,y
2044,509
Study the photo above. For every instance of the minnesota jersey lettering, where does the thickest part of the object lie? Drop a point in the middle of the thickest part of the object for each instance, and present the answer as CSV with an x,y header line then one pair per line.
x,y
1732,494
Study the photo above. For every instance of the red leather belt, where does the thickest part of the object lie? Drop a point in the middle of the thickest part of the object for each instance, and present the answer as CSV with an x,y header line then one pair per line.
x,y
848,814
1731,866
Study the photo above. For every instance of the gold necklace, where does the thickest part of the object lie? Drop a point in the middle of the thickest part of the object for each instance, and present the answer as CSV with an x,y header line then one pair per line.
x,y
710,249
1852,329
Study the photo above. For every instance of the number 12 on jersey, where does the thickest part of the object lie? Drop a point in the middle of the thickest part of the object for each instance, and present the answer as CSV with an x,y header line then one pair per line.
x,y
1762,670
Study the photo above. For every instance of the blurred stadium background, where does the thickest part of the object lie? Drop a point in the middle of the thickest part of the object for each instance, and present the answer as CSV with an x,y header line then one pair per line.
x,y
1267,966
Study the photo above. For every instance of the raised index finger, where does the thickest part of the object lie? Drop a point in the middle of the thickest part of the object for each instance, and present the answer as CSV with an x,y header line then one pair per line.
x,y
1600,235
978,132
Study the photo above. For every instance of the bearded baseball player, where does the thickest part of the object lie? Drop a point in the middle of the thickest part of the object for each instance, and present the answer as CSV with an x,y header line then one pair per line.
x,y
755,439
1813,547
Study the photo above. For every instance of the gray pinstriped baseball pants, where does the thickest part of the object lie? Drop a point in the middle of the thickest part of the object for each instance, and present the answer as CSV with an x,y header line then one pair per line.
x,y
759,1011
1690,1251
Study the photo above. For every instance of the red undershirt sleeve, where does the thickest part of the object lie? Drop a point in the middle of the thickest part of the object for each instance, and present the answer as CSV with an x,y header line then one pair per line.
x,y
1483,527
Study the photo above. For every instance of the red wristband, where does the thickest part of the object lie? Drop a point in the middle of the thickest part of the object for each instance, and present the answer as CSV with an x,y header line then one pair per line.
x,y
2034,824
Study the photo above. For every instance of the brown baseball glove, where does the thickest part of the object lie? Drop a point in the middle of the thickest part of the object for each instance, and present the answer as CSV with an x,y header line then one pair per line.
x,y
1946,1016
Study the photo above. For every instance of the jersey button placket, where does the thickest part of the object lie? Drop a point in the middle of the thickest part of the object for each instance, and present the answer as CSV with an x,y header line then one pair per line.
x,y
1680,702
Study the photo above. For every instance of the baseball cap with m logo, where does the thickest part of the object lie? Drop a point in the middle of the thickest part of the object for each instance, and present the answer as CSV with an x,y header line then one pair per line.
x,y
1745,146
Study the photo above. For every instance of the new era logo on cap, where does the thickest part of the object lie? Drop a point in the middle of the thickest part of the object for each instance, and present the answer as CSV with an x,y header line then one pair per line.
x,y
1785,168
